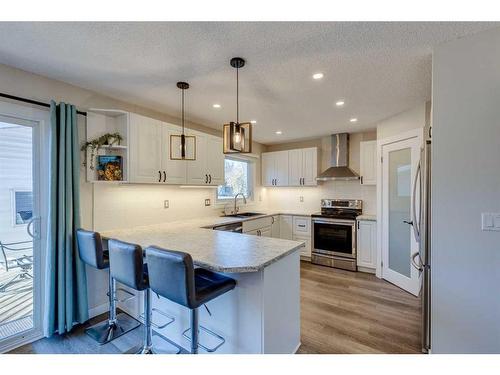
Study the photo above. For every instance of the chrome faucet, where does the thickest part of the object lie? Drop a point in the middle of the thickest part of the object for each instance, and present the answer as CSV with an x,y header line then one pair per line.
x,y
236,209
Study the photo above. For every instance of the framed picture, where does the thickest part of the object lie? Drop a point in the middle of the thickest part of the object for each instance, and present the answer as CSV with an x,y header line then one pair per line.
x,y
175,147
109,168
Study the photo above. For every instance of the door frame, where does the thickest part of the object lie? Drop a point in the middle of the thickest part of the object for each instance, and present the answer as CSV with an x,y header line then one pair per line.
x,y
41,119
414,133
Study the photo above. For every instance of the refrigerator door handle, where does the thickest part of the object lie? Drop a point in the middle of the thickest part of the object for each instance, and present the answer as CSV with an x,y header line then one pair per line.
x,y
419,266
416,224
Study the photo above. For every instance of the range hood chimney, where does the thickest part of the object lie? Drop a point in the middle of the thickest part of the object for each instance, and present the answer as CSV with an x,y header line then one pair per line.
x,y
339,165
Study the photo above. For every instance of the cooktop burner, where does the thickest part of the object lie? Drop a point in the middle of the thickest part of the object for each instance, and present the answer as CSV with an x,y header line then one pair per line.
x,y
346,209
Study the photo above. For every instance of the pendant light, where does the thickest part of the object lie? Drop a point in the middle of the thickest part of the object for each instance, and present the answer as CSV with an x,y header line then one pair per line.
x,y
237,135
182,141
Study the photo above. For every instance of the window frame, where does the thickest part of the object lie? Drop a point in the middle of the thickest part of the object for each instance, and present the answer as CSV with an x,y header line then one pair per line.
x,y
250,176
13,205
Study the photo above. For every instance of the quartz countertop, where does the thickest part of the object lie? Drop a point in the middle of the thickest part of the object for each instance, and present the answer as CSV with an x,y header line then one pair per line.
x,y
218,251
367,217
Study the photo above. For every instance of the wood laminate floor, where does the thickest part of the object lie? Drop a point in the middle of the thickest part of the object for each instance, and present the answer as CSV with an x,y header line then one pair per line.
x,y
341,312
355,312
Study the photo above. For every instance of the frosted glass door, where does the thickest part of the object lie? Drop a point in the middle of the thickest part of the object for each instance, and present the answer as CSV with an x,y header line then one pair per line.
x,y
400,160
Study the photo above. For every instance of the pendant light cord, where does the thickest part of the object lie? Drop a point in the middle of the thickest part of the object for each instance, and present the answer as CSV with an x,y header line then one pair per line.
x,y
237,96
182,111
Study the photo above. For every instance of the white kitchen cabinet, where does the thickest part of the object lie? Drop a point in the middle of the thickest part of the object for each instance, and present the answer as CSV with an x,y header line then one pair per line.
x,y
275,168
367,245
208,168
145,149
286,227
174,171
368,162
302,166
215,161
275,226
306,250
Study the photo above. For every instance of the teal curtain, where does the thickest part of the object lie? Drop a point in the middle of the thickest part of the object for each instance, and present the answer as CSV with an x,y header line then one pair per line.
x,y
66,284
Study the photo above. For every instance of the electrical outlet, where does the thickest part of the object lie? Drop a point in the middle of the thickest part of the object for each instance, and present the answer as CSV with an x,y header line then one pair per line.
x,y
207,202
301,198
166,203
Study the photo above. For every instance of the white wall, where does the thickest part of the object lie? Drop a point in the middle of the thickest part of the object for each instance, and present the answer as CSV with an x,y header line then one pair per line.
x,y
466,182
410,119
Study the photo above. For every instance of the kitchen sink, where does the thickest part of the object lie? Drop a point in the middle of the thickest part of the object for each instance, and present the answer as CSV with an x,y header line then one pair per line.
x,y
246,214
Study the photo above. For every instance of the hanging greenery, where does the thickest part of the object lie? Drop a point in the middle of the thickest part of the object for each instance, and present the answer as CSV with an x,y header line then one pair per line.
x,y
108,139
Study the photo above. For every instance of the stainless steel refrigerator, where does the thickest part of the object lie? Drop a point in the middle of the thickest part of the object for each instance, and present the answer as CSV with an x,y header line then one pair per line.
x,y
422,232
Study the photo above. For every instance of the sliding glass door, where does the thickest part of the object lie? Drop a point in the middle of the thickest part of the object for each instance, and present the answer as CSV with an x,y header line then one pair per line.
x,y
20,225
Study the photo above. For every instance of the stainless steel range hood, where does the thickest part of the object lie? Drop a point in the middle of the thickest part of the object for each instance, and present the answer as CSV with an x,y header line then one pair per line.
x,y
339,169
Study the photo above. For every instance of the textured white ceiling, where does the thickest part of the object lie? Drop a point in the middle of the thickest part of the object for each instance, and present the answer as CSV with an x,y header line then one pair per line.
x,y
378,68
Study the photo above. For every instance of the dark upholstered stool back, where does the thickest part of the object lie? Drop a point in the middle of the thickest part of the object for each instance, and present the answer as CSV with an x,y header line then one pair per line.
x,y
127,265
173,275
90,249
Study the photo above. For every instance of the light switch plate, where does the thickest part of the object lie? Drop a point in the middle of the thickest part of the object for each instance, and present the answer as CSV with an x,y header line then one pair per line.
x,y
301,198
166,203
490,221
207,202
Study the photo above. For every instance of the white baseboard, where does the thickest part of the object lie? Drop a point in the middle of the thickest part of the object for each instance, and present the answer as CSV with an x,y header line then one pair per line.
x,y
366,270
98,310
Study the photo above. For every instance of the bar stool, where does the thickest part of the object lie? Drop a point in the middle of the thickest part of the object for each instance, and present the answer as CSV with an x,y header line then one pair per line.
x,y
172,275
127,267
91,252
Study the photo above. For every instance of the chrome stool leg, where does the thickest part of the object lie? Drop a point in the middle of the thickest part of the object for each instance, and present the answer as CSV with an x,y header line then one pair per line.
x,y
148,342
194,333
116,325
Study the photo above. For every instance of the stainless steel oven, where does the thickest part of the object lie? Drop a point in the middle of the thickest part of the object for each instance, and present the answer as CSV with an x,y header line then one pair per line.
x,y
334,237
334,233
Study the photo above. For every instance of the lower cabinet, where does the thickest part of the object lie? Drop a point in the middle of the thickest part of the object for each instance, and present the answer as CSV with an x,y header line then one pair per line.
x,y
286,227
367,246
302,232
275,227
305,251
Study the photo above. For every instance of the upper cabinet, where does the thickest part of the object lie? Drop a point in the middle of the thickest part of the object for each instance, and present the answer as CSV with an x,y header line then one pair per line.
x,y
302,167
208,168
368,162
275,168
146,147
290,168
152,153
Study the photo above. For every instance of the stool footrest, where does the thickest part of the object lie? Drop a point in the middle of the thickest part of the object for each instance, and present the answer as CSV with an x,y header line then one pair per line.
x,y
170,320
211,333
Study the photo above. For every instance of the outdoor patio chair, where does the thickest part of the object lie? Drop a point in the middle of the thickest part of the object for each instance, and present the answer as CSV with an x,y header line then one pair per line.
x,y
13,256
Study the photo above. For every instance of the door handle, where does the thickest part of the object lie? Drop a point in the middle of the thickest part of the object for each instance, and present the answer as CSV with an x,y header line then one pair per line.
x,y
164,176
159,174
416,229
36,234
408,222
414,264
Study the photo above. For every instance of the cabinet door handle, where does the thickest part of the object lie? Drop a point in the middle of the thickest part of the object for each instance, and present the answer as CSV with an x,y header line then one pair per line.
x,y
159,178
164,176
206,178
209,178
361,180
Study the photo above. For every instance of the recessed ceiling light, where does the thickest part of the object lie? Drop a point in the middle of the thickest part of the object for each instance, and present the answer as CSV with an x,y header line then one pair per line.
x,y
317,75
216,106
354,119
279,132
340,103
253,121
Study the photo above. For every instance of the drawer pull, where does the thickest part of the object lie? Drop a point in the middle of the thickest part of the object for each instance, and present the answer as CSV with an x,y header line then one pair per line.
x,y
302,225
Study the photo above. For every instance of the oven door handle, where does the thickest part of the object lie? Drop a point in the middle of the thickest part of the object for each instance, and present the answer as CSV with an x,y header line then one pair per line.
x,y
345,223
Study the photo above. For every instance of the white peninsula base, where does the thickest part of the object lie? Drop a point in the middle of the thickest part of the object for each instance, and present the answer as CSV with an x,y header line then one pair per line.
x,y
261,315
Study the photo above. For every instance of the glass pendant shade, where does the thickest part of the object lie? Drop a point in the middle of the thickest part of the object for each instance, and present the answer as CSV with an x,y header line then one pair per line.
x,y
237,138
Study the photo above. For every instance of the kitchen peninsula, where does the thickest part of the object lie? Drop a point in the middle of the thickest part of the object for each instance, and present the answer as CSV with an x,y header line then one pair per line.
x,y
261,315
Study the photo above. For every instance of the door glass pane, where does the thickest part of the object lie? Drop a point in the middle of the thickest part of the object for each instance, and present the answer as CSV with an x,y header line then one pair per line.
x,y
16,246
399,211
